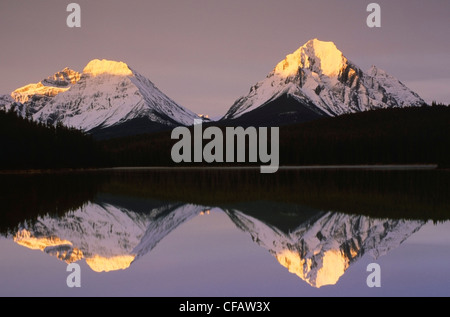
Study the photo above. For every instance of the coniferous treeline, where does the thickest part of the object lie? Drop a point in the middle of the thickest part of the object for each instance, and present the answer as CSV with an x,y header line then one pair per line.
x,y
416,135
382,194
26,144
29,196
419,135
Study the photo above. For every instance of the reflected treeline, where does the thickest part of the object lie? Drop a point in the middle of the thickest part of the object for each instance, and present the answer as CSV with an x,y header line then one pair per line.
x,y
411,194
316,223
25,197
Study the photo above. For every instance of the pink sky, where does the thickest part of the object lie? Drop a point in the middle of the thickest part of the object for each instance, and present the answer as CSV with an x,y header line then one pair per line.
x,y
205,54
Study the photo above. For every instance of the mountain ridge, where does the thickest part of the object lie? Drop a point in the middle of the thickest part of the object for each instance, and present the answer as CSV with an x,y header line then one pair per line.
x,y
323,80
321,249
110,99
105,95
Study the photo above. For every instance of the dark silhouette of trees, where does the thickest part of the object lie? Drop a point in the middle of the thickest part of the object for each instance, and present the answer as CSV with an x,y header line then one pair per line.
x,y
416,135
26,144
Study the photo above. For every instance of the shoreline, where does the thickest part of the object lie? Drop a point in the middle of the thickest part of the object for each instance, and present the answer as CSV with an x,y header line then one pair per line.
x,y
381,167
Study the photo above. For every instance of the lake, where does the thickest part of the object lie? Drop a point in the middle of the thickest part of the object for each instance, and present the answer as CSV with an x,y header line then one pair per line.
x,y
226,233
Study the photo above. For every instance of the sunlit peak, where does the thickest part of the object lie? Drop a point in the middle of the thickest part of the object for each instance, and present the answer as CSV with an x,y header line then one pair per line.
x,y
316,273
98,67
25,93
60,248
204,212
106,264
319,56
24,238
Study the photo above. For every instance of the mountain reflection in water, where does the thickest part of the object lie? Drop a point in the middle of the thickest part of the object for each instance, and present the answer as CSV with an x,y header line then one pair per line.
x,y
112,221
108,237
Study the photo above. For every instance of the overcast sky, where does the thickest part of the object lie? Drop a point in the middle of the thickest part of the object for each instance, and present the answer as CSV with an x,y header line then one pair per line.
x,y
204,54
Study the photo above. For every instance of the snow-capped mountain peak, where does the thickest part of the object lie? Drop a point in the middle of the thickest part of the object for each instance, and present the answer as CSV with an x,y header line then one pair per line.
x,y
104,96
323,82
99,67
317,56
48,87
321,249
63,78
108,237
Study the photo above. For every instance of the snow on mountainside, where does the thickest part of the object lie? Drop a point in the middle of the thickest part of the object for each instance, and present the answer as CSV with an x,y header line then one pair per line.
x,y
50,86
5,102
106,236
319,251
320,77
107,93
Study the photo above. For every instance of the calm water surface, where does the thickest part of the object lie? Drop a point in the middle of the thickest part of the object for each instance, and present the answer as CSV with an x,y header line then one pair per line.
x,y
225,234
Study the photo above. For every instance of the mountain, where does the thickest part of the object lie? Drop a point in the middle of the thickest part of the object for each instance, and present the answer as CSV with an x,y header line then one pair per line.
x,y
320,249
107,99
5,102
317,80
317,246
108,237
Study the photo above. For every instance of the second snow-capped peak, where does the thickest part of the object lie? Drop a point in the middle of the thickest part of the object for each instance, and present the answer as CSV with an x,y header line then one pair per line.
x,y
318,56
99,67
